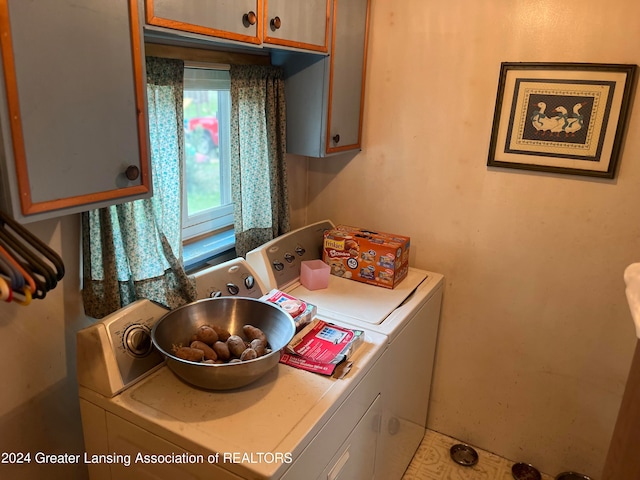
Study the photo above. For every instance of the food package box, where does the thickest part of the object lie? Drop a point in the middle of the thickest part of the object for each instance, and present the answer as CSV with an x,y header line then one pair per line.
x,y
323,348
371,257
301,311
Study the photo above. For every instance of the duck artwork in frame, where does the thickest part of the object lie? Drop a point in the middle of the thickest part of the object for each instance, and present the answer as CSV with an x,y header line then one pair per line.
x,y
561,117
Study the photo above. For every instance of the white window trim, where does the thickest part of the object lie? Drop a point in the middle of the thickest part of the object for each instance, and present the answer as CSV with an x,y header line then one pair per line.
x,y
204,222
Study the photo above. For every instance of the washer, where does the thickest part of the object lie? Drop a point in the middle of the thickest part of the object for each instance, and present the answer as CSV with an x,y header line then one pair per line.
x,y
407,315
141,421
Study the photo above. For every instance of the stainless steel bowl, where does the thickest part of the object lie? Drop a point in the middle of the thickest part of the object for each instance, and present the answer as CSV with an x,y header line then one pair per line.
x,y
463,454
572,476
232,313
525,471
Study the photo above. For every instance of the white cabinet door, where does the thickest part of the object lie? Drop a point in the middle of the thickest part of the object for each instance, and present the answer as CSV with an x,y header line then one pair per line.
x,y
355,460
239,20
72,106
297,24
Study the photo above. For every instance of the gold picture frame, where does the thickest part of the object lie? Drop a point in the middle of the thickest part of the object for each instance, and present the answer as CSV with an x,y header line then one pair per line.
x,y
565,118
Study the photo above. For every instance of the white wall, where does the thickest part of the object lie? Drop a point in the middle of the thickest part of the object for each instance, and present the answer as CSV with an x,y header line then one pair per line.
x,y
536,337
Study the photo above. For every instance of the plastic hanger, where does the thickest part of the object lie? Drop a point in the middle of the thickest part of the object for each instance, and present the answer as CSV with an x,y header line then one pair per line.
x,y
6,293
23,299
12,262
28,267
34,242
29,261
11,274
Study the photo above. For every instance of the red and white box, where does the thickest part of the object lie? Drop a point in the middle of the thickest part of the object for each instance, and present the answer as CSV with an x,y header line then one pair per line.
x,y
301,311
323,347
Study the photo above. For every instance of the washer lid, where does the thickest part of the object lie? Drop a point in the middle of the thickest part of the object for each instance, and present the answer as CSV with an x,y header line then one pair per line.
x,y
359,301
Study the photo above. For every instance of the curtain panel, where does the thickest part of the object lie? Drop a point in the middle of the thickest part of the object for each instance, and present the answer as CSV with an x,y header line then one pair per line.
x,y
258,145
133,250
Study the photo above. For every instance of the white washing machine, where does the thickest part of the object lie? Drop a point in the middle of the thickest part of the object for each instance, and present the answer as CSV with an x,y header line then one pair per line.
x,y
408,315
141,422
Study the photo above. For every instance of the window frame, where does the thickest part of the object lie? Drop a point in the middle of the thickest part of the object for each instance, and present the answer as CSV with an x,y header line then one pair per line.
x,y
220,218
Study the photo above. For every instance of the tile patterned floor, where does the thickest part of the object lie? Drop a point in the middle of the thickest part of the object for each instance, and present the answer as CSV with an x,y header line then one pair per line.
x,y
432,462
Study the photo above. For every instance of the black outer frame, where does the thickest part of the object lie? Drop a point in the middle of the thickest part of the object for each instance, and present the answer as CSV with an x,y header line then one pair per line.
x,y
621,127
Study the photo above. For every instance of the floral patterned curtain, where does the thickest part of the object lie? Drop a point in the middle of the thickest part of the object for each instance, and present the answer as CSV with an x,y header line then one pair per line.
x,y
258,144
133,250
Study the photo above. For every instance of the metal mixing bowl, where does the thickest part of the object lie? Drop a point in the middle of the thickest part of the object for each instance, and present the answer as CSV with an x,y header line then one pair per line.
x,y
232,313
572,476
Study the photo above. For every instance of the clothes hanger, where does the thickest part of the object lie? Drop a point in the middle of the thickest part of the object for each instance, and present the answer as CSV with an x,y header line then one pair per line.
x,y
26,297
29,261
11,274
30,268
19,269
41,289
34,242
6,293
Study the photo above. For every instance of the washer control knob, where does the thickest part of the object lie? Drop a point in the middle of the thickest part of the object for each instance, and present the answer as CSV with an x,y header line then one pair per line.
x,y
279,266
249,282
137,340
300,251
215,294
233,289
289,258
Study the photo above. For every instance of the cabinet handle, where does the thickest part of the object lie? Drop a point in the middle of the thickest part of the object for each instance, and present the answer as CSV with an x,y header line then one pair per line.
x,y
276,23
249,19
336,138
132,172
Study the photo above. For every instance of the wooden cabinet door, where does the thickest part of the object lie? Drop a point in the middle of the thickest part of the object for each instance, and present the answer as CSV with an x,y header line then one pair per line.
x,y
239,20
348,69
72,105
298,24
325,95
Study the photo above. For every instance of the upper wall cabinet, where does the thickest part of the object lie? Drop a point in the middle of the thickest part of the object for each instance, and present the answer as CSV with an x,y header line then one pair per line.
x,y
298,24
325,95
72,107
239,20
287,23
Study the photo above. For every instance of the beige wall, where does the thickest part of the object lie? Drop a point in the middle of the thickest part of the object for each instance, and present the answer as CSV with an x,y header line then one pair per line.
x,y
39,409
535,340
536,337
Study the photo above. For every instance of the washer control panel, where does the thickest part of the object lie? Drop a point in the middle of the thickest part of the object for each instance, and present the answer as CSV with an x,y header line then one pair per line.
x,y
116,351
278,261
130,337
232,278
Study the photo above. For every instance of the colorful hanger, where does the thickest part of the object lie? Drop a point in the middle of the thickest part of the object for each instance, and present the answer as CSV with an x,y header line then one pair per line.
x,y
6,293
28,267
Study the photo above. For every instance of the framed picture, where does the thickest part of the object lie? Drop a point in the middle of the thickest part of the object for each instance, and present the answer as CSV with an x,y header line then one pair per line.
x,y
561,117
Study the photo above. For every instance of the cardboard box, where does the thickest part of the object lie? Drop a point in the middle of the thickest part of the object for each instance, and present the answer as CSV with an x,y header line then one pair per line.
x,y
323,348
302,312
376,258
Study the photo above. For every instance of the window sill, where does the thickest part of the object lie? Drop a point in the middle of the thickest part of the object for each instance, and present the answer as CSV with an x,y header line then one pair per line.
x,y
211,250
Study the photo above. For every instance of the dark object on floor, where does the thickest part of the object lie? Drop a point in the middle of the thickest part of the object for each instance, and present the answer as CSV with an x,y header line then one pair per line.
x,y
572,476
463,455
524,471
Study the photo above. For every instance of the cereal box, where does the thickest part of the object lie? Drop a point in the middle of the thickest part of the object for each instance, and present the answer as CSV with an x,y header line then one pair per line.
x,y
371,257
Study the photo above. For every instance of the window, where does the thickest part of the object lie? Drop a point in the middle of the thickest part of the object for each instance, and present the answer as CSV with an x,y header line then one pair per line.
x,y
207,204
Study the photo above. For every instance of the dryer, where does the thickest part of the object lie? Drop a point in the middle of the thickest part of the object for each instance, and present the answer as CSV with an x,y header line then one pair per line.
x,y
407,315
